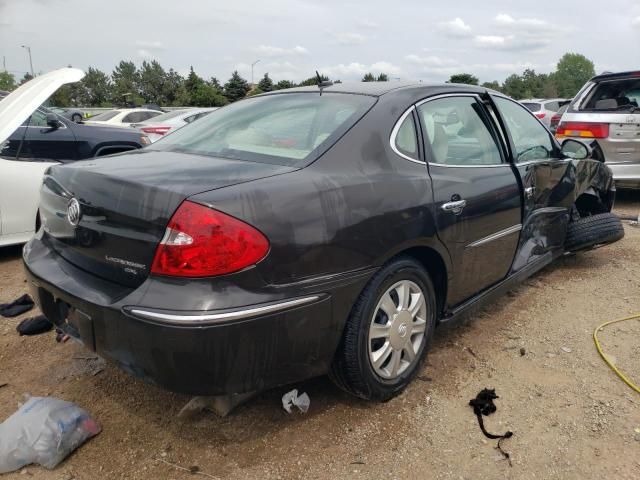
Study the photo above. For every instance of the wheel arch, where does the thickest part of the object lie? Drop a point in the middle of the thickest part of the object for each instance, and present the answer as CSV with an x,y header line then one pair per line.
x,y
435,265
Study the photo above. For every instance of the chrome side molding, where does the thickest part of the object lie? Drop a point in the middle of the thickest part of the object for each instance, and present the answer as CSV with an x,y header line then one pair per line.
x,y
195,319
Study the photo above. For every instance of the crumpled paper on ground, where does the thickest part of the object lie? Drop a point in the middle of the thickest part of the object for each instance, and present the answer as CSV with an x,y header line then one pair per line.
x,y
292,398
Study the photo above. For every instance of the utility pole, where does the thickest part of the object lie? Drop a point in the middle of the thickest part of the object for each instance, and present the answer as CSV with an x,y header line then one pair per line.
x,y
30,60
252,65
4,63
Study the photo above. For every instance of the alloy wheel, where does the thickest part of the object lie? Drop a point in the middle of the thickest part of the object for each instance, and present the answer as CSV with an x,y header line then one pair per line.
x,y
397,329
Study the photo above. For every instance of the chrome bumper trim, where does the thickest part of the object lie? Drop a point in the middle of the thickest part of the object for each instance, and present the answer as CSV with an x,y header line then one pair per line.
x,y
212,318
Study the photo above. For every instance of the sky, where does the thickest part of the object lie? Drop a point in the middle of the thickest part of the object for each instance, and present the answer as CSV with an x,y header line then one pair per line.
x,y
290,39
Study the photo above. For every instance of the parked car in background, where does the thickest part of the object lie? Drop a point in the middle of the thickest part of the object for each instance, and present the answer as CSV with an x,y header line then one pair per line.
x,y
74,114
303,232
42,140
158,126
123,117
544,108
555,118
607,109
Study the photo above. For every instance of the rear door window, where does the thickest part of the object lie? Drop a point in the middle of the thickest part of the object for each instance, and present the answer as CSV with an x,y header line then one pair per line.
x,y
458,132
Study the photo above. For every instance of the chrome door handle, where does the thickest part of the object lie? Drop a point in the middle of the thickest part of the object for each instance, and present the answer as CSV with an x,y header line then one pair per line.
x,y
454,207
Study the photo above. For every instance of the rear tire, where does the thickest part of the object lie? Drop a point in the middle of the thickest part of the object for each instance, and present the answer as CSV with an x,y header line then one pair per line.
x,y
380,352
76,117
589,232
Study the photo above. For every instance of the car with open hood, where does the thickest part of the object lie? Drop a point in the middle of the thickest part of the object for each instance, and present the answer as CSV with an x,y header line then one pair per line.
x,y
308,231
41,138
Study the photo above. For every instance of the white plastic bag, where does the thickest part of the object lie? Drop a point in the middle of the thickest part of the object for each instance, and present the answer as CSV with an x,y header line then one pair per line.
x,y
44,430
292,398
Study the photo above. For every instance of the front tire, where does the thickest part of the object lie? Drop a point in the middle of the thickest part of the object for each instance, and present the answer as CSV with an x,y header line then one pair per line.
x,y
388,332
76,117
589,232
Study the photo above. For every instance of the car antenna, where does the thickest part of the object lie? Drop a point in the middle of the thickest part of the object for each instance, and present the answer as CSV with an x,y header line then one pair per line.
x,y
322,83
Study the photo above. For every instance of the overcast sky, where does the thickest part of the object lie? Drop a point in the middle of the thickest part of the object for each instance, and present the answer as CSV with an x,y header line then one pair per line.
x,y
407,39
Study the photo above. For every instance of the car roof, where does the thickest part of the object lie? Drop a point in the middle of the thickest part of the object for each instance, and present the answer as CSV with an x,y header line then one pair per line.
x,y
377,89
614,76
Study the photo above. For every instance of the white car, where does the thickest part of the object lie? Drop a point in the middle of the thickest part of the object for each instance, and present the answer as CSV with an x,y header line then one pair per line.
x,y
123,117
158,126
21,180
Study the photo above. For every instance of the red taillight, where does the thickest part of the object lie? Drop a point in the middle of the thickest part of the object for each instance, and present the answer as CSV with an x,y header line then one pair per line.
x,y
583,129
202,242
555,118
541,115
156,130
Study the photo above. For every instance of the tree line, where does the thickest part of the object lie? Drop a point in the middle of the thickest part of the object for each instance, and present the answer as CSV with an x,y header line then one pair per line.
x,y
572,72
150,83
129,84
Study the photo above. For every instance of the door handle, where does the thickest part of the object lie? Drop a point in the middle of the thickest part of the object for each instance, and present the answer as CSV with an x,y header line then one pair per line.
x,y
529,191
454,207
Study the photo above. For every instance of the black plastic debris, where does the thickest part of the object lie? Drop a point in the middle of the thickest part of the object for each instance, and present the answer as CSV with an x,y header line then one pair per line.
x,y
483,405
34,325
17,307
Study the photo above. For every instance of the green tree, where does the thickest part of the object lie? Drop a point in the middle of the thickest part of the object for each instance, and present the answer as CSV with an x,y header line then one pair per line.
x,y
26,78
7,81
550,89
383,77
266,84
494,85
514,86
368,77
465,78
213,81
126,81
201,93
61,97
94,89
173,89
572,72
152,78
282,84
236,88
313,81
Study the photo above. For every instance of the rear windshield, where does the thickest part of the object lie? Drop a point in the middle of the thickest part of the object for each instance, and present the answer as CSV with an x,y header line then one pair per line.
x,y
104,116
533,107
614,95
290,129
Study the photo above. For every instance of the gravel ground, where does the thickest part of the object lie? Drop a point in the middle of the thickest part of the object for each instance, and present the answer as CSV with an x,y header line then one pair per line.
x,y
572,418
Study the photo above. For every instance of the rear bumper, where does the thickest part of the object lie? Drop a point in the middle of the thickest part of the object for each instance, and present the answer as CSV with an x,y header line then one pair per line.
x,y
234,354
626,175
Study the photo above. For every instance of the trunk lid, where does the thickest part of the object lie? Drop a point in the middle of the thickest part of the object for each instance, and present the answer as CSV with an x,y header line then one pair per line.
x,y
107,215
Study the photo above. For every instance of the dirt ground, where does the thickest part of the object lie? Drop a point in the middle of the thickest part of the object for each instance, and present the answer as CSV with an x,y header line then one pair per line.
x,y
572,418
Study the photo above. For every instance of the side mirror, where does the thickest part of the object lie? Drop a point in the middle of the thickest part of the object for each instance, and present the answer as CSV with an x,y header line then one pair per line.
x,y
52,121
575,149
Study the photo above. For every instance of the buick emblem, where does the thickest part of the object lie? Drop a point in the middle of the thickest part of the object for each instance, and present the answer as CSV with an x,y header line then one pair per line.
x,y
402,329
73,212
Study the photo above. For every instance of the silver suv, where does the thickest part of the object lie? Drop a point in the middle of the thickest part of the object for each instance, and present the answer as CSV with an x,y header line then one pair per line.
x,y
544,108
607,110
